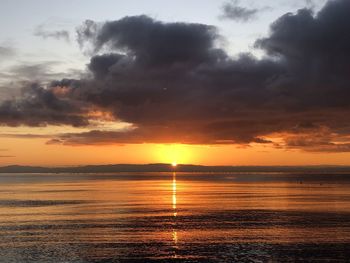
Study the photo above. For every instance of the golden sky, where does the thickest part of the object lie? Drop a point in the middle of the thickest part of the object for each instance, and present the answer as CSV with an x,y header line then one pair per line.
x,y
29,151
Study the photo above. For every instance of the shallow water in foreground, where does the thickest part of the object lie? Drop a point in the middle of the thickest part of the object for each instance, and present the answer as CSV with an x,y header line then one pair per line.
x,y
175,217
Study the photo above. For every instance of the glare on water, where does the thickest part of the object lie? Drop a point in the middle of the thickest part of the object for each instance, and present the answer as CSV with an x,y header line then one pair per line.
x,y
162,216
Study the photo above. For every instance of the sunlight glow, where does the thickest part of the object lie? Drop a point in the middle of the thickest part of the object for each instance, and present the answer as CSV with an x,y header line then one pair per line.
x,y
173,153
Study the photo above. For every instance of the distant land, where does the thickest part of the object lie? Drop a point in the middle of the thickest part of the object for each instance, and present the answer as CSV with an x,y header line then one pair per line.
x,y
161,167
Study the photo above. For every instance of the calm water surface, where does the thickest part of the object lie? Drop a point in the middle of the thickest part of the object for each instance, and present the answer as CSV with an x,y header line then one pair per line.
x,y
175,217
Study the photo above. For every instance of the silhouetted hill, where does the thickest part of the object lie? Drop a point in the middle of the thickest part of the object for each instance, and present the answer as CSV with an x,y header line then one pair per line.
x,y
160,167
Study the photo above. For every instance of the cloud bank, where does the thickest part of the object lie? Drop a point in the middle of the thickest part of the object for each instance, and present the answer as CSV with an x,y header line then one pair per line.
x,y
173,83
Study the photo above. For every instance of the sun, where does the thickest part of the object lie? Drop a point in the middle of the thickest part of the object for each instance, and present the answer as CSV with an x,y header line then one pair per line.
x,y
173,154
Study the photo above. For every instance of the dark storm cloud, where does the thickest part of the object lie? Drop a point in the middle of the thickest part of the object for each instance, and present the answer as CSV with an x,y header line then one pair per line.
x,y
173,83
39,106
233,11
40,31
316,52
101,64
152,42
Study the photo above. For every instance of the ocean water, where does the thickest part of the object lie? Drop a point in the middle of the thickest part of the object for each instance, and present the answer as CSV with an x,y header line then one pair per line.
x,y
175,217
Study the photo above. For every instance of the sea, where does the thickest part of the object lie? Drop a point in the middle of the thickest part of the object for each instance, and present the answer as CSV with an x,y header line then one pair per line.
x,y
175,217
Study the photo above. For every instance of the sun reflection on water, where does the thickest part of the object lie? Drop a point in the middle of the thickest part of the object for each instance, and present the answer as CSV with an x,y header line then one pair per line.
x,y
174,232
174,194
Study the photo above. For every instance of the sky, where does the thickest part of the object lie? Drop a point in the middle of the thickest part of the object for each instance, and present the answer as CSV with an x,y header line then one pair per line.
x,y
205,82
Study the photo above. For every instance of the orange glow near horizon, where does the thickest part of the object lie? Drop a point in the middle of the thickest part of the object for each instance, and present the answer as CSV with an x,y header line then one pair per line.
x,y
35,151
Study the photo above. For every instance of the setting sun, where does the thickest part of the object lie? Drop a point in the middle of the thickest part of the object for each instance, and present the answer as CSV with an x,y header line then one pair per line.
x,y
174,153
173,164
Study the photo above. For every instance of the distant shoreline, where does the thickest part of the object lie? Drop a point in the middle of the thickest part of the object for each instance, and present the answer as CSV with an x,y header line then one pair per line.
x,y
168,168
